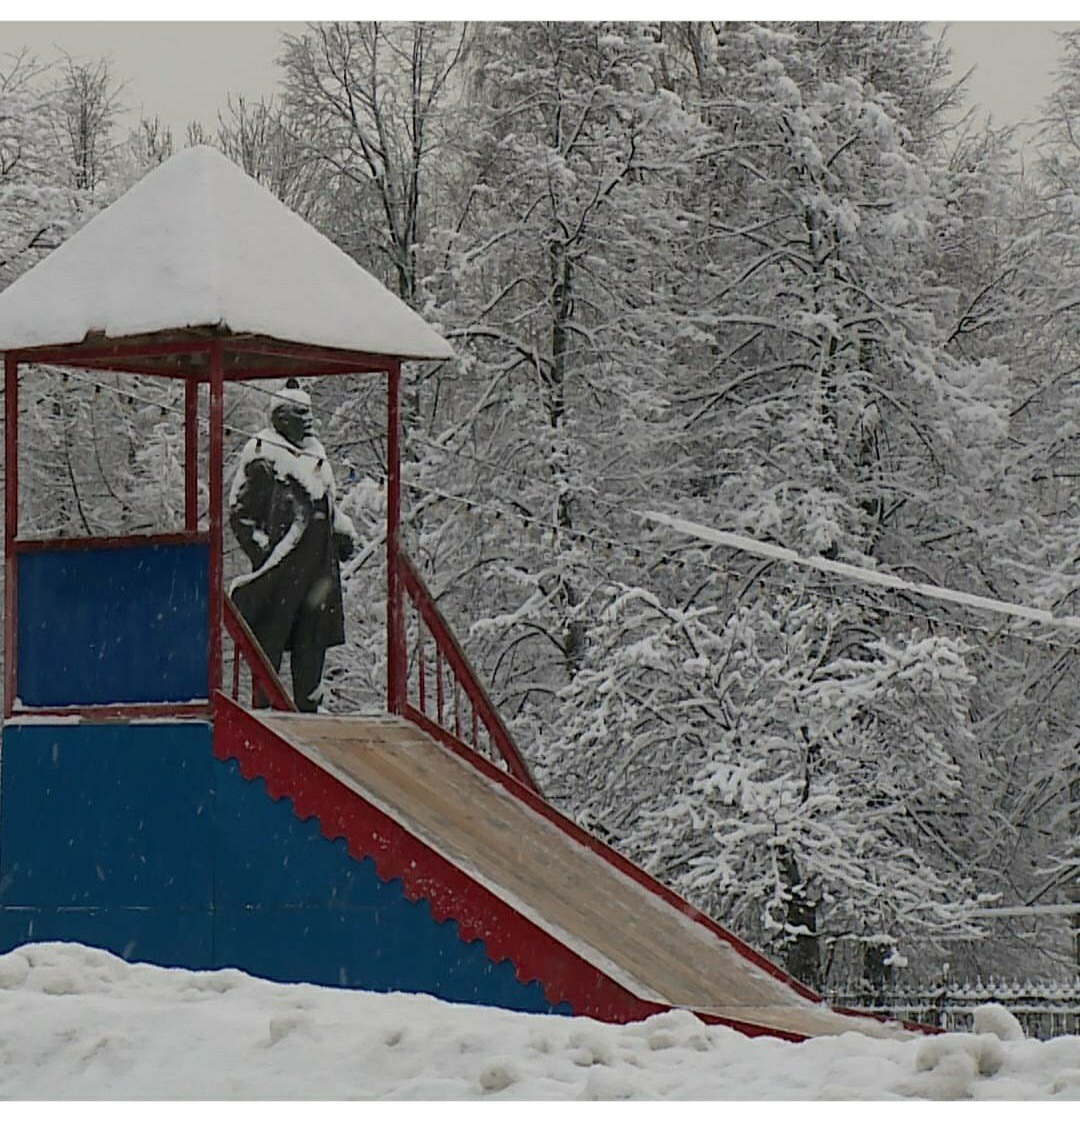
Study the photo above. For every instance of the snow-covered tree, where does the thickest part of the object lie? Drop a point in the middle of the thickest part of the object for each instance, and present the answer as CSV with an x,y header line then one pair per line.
x,y
806,795
814,400
88,107
366,100
101,453
35,205
553,288
262,139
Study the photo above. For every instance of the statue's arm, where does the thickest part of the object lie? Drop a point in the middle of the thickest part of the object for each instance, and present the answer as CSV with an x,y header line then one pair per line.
x,y
344,535
250,511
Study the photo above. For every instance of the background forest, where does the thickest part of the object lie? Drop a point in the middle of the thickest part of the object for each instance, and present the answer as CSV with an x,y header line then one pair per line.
x,y
763,277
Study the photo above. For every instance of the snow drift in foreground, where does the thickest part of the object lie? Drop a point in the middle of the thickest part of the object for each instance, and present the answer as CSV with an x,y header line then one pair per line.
x,y
80,1023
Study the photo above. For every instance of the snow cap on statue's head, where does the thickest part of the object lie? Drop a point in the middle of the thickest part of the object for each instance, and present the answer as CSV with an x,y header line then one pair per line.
x,y
290,397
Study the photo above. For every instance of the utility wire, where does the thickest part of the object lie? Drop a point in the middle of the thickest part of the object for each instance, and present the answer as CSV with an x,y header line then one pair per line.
x,y
607,543
517,475
678,563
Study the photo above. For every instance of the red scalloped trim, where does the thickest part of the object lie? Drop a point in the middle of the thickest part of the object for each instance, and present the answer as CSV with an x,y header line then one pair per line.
x,y
449,892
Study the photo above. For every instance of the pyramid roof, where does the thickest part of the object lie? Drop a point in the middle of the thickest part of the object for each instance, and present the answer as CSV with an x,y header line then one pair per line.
x,y
198,244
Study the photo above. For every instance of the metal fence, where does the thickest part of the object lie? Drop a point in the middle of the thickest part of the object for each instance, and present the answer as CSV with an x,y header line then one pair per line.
x,y
1044,1008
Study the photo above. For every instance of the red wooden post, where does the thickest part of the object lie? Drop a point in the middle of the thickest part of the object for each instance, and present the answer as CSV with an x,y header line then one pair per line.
x,y
395,613
421,676
464,676
217,456
11,525
191,455
439,699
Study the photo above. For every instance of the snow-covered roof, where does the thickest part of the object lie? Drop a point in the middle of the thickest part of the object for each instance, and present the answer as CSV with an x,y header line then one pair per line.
x,y
198,243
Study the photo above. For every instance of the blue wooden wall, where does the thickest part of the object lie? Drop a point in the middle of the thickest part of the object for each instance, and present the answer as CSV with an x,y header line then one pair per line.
x,y
134,838
123,624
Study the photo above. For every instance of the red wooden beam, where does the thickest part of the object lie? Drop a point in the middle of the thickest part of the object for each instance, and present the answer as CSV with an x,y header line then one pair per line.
x,y
75,354
166,539
132,367
440,691
343,361
396,687
308,369
11,525
299,367
119,356
114,712
191,455
217,458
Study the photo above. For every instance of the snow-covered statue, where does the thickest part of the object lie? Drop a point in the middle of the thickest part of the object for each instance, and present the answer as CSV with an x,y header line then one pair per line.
x,y
282,511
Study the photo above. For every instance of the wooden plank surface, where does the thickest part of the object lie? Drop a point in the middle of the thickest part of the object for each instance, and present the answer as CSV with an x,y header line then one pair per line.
x,y
613,922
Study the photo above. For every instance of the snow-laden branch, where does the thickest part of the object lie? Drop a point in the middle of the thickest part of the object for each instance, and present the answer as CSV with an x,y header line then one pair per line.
x,y
1052,908
860,574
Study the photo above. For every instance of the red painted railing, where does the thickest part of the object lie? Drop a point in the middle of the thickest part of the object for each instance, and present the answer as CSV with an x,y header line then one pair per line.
x,y
248,656
442,692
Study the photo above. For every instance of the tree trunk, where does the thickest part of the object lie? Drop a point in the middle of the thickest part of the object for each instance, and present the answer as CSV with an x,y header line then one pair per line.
x,y
803,957
878,974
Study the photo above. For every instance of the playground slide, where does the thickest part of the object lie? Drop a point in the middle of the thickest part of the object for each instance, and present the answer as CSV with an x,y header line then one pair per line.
x,y
636,937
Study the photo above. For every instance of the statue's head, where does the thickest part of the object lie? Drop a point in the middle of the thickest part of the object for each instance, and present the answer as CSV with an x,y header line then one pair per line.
x,y
290,413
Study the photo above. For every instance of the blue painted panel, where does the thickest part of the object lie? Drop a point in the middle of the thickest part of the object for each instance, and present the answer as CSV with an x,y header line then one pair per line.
x,y
106,814
293,906
134,838
113,625
176,938
399,949
272,857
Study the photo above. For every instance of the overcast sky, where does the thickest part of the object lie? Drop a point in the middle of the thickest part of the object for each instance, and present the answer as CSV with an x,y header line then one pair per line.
x,y
183,71
1014,64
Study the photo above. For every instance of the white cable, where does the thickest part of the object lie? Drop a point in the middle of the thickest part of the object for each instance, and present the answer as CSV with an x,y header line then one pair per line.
x,y
717,538
860,574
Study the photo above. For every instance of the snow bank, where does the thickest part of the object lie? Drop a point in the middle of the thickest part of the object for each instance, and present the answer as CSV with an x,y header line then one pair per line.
x,y
79,1023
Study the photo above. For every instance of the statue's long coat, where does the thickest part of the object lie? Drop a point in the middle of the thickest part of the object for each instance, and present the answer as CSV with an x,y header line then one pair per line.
x,y
287,531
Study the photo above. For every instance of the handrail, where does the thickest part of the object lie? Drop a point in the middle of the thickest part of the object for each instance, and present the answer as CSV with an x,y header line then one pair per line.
x,y
264,679
448,649
448,652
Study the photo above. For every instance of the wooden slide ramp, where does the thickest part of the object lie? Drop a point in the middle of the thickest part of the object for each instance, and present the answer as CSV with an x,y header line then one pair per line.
x,y
619,926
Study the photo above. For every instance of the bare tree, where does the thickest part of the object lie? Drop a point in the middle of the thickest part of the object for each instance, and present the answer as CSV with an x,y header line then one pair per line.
x,y
367,98
88,107
261,139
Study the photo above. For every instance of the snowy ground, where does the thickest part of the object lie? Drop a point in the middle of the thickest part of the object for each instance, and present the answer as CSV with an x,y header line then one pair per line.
x,y
80,1023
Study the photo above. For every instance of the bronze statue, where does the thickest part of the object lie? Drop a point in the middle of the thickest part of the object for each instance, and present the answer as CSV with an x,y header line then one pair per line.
x,y
282,511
